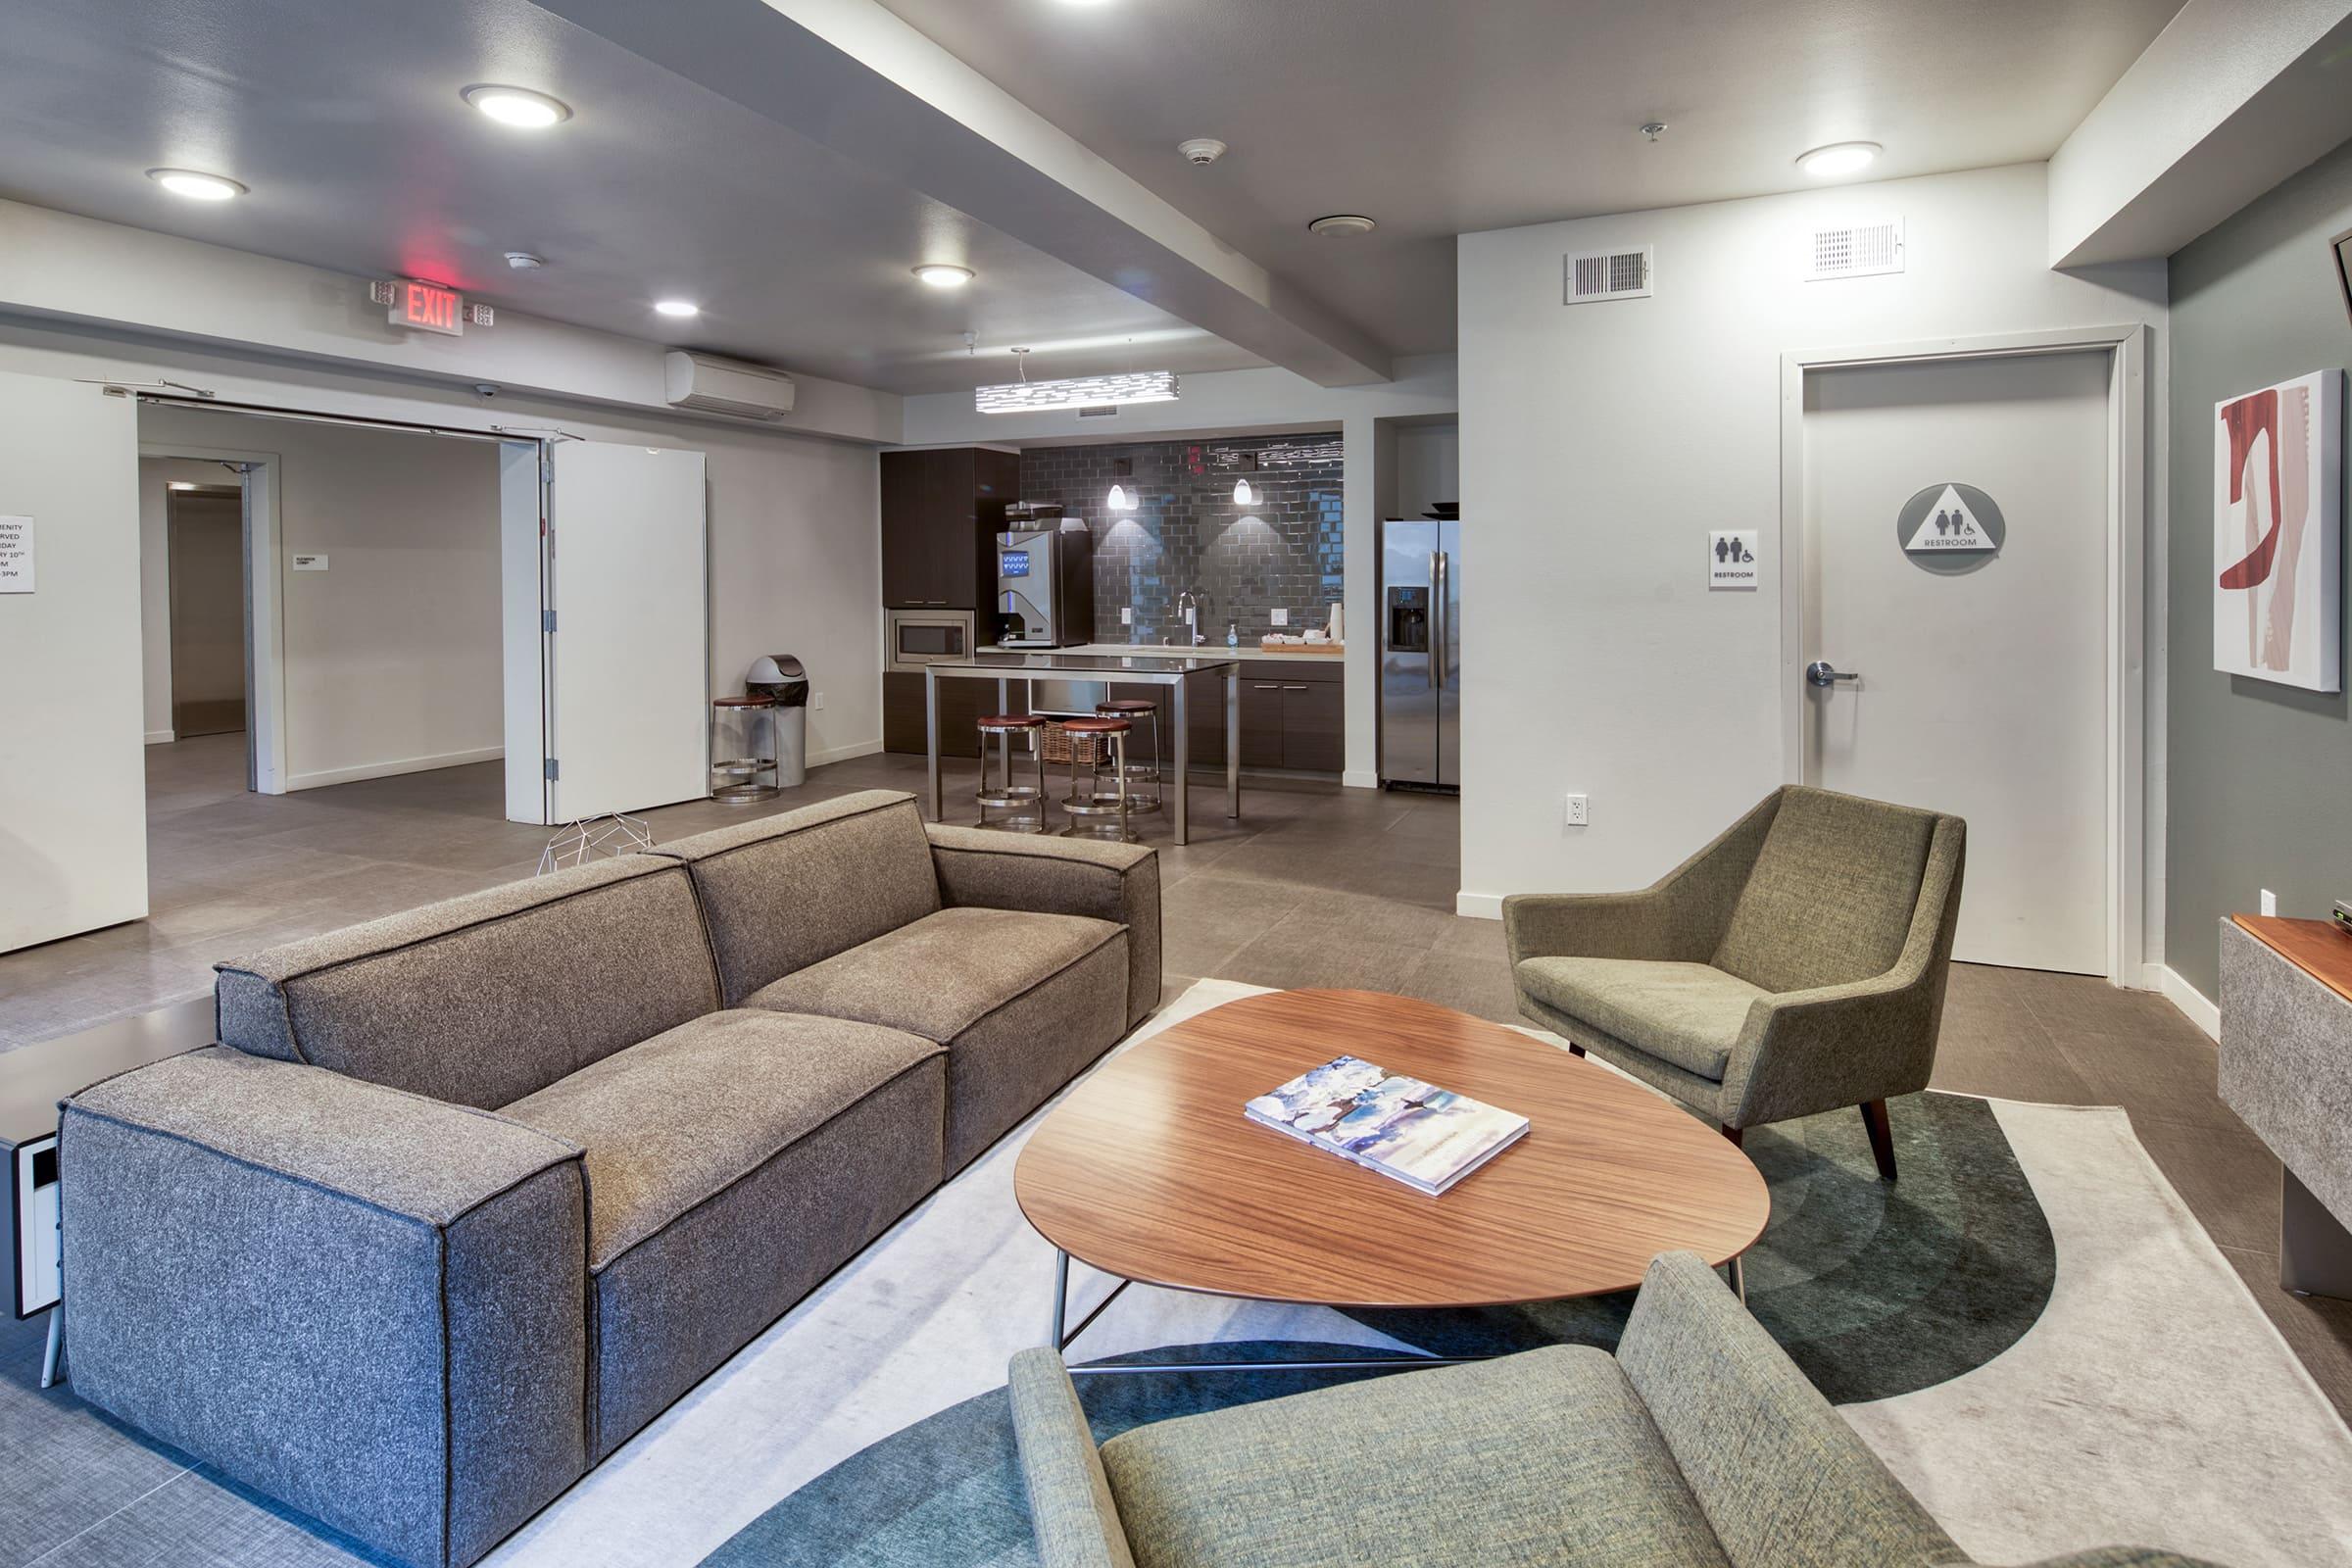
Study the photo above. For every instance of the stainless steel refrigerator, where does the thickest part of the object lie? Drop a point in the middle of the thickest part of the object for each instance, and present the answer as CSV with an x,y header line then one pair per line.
x,y
1420,654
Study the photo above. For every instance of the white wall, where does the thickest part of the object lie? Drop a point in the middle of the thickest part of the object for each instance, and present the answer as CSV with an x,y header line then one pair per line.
x,y
1231,402
1599,443
795,547
1429,467
392,655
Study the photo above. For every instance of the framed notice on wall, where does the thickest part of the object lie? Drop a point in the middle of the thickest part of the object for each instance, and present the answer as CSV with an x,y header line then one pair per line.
x,y
15,555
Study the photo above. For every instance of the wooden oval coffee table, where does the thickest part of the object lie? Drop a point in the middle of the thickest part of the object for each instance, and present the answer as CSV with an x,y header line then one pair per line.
x,y
1148,1170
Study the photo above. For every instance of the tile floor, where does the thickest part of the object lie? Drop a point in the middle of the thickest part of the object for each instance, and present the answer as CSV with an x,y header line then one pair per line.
x,y
1314,885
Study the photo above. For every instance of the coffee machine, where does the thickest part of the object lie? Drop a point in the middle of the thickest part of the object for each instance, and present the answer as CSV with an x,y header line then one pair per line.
x,y
1044,587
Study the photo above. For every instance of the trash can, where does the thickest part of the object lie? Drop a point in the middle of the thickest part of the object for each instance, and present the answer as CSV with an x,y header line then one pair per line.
x,y
782,677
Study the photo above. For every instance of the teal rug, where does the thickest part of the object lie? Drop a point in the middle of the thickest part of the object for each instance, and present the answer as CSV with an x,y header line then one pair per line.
x,y
1875,1290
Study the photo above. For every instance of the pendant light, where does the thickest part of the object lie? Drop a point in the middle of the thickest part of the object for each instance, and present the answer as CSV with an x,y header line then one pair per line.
x,y
1243,495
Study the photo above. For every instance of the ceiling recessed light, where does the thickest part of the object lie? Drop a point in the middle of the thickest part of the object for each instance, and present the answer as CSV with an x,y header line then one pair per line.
x,y
196,187
1341,225
678,308
518,106
944,275
524,260
1838,158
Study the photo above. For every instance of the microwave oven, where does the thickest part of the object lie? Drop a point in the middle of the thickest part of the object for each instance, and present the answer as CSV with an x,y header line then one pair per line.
x,y
919,637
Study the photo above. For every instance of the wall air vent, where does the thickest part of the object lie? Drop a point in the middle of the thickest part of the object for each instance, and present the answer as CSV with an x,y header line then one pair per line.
x,y
1101,410
1854,250
1609,276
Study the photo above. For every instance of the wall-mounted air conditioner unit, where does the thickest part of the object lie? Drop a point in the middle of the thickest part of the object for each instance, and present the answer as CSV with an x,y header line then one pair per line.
x,y
708,384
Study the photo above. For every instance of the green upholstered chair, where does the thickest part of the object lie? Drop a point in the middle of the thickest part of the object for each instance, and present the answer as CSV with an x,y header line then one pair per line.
x,y
1698,1444
1794,965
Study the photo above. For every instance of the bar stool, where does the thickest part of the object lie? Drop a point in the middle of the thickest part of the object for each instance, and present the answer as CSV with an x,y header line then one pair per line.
x,y
1008,796
1084,736
1132,710
735,727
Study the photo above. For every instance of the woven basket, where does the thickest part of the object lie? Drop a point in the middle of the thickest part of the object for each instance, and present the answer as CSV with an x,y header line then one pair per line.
x,y
1087,751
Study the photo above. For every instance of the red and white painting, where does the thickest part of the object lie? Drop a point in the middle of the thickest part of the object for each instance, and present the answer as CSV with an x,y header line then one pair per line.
x,y
2277,595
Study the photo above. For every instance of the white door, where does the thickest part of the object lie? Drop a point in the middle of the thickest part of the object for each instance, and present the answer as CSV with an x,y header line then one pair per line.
x,y
628,663
72,758
1981,686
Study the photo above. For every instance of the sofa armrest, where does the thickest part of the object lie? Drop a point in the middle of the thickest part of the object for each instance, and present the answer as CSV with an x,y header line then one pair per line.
x,y
1104,881
1680,917
1779,1474
2108,1557
1070,1505
365,1303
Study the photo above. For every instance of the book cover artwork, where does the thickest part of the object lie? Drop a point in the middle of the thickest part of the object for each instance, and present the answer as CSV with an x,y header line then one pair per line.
x,y
1423,1136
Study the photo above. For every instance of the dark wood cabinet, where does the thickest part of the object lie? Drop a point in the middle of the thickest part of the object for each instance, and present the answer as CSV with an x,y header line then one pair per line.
x,y
962,703
941,514
1314,727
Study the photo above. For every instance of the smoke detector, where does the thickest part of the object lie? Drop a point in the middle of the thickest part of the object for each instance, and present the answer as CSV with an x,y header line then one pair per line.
x,y
1201,150
1341,224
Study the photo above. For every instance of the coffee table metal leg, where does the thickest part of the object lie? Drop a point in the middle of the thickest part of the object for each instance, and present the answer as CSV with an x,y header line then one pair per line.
x,y
1061,1301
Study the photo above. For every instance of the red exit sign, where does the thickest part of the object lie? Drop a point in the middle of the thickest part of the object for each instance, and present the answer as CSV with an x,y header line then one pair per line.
x,y
427,307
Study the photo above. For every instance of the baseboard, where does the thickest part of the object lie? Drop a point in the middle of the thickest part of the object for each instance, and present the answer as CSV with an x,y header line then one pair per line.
x,y
1360,779
161,736
393,768
1478,905
843,754
2192,1003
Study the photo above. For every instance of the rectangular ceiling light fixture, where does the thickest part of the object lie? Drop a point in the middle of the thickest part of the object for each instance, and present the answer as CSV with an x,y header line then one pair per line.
x,y
1076,392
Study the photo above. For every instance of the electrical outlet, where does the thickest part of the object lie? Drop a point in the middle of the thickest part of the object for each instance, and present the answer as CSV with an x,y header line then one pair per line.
x,y
1126,615
1579,810
1282,618
2270,902
817,702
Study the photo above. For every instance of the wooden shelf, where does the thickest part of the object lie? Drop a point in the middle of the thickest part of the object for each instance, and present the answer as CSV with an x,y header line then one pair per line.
x,y
2315,947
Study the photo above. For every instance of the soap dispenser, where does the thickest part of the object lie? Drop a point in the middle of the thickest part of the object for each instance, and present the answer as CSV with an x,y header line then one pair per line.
x,y
1233,635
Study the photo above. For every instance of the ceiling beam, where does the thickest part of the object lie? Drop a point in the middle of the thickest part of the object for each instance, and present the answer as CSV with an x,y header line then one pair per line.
x,y
853,77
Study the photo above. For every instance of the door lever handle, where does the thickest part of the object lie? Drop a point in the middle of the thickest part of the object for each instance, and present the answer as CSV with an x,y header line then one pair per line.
x,y
1821,672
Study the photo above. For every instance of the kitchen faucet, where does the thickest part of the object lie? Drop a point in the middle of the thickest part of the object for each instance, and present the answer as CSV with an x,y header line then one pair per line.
x,y
1191,603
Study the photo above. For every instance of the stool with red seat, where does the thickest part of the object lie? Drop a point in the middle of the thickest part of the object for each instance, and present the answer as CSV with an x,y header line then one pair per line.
x,y
1026,803
1087,740
1135,710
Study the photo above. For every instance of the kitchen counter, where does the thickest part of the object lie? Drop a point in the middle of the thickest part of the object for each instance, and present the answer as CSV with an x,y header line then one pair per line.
x,y
1212,649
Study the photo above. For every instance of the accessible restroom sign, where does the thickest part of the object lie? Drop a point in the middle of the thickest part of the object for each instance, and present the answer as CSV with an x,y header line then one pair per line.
x,y
1732,558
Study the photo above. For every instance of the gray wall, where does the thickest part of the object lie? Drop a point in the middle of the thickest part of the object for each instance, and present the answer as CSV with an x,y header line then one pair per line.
x,y
2259,789
1187,532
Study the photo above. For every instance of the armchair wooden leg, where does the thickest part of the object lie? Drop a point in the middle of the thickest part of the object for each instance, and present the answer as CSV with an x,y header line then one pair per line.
x,y
1575,1050
1734,1133
1881,1138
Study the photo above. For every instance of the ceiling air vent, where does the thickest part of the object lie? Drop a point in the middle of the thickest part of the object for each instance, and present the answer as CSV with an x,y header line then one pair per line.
x,y
1609,276
1854,250
1101,410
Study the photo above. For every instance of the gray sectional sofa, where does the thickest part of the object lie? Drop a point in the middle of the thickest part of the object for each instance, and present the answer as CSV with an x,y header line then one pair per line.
x,y
466,1197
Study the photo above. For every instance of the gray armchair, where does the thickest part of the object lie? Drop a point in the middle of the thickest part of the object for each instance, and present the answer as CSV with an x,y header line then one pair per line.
x,y
1794,965
1698,1443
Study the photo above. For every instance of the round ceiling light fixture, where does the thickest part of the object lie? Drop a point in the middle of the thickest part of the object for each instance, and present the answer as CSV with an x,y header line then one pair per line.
x,y
1341,225
524,260
196,185
1839,158
944,275
519,106
680,308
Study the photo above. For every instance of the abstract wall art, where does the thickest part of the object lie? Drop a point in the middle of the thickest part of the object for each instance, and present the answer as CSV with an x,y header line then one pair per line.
x,y
2278,594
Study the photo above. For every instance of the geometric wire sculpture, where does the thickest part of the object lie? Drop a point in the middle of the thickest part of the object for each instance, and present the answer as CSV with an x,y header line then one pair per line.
x,y
614,833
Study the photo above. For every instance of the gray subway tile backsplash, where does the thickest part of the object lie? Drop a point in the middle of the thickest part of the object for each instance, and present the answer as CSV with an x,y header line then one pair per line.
x,y
1187,531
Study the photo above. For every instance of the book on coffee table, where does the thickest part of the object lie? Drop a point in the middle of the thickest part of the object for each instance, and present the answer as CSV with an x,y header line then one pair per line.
x,y
1404,1128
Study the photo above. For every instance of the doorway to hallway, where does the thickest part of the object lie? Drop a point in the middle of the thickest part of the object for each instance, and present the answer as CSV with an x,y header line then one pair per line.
x,y
1956,571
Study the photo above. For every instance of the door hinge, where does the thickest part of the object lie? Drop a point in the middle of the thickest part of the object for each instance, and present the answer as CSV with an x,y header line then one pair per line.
x,y
547,622
547,470
553,772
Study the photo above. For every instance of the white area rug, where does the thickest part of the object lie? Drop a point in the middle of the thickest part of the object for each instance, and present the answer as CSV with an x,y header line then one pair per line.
x,y
2152,1403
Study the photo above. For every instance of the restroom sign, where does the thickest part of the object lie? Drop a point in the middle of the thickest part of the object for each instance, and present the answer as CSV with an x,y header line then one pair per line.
x,y
1950,518
1732,558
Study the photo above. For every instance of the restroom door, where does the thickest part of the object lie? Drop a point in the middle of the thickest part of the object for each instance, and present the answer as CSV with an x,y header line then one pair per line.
x,y
1981,672
73,752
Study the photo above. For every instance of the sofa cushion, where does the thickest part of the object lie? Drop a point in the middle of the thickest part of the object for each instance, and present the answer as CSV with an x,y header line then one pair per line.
x,y
1833,893
670,1122
795,889
1533,1460
481,1000
1021,1000
1686,1014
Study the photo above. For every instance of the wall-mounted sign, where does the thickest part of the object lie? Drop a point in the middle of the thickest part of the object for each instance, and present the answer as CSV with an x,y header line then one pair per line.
x,y
429,307
15,555
1732,558
308,562
1950,527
